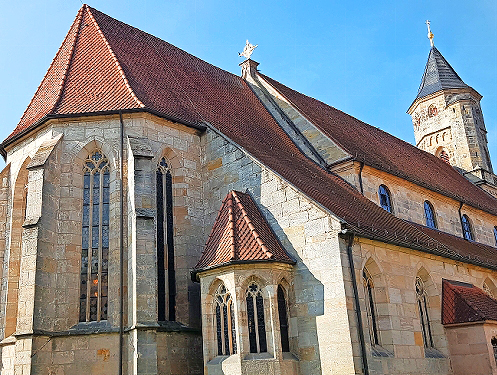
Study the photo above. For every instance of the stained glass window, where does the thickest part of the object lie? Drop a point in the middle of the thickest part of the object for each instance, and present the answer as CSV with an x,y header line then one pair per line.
x,y
256,321
466,227
385,201
423,313
282,313
370,307
95,239
430,215
165,244
225,323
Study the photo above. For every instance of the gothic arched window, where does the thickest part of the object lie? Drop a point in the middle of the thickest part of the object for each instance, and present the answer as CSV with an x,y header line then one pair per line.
x,y
95,239
370,307
494,346
165,244
283,315
495,235
466,227
225,322
431,222
423,313
385,201
256,321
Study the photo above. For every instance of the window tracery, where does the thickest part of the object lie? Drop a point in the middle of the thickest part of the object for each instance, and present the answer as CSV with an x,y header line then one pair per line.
x,y
423,313
225,322
256,321
166,300
283,315
95,239
370,307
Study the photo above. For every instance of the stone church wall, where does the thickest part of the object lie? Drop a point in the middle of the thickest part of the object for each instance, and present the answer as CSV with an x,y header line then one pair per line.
x,y
394,270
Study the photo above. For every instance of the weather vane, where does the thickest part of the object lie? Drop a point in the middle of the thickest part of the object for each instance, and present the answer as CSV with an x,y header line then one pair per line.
x,y
247,51
430,34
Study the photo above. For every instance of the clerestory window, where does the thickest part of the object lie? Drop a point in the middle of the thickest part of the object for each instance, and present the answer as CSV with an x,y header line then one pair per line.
x,y
95,239
256,321
166,276
466,227
431,221
385,201
225,322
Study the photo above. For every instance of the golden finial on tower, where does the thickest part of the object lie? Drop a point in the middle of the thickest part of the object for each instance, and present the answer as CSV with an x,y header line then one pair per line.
x,y
430,34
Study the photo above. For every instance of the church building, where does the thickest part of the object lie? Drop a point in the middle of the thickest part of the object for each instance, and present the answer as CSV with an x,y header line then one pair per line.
x,y
159,215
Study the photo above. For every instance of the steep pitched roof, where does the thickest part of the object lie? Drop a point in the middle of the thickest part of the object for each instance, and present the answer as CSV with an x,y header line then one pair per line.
x,y
240,234
84,76
464,303
438,75
170,82
383,151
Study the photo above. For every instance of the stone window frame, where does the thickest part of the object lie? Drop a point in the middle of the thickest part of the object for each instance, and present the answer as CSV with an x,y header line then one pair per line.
x,y
467,228
166,276
430,217
256,318
283,317
432,110
385,198
224,317
423,311
95,163
371,312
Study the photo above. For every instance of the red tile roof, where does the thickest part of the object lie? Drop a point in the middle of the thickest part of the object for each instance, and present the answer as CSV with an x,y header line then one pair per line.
x,y
240,234
128,68
383,151
464,303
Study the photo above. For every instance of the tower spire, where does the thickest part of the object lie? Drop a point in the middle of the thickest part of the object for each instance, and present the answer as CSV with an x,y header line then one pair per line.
x,y
430,34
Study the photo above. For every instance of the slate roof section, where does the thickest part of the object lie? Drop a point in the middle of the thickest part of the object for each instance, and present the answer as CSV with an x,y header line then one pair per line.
x,y
385,152
240,234
465,303
170,82
438,75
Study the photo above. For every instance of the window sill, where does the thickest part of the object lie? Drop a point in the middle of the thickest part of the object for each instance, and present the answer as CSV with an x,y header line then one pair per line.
x,y
433,353
252,356
378,351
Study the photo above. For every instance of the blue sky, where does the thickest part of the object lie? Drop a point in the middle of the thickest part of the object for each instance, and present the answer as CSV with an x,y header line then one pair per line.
x,y
365,58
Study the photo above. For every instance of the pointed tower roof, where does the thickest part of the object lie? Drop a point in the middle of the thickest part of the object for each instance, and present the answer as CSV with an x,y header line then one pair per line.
x,y
240,234
438,75
464,303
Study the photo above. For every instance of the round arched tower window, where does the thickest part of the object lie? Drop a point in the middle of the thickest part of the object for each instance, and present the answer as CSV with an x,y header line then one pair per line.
x,y
432,110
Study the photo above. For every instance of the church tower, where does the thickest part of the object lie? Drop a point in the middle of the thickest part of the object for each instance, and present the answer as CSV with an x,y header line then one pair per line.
x,y
448,121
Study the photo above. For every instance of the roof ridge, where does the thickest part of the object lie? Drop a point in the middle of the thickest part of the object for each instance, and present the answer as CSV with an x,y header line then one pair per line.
x,y
251,226
79,17
114,57
231,227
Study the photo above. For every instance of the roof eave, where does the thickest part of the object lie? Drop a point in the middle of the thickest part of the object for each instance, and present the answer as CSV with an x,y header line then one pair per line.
x,y
416,101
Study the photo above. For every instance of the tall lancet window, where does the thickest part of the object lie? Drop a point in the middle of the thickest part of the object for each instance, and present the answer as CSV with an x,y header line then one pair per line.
x,y
166,279
370,307
283,315
423,313
256,321
225,322
95,239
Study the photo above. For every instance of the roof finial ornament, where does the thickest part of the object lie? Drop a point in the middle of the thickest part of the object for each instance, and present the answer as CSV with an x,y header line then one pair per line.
x,y
247,51
430,34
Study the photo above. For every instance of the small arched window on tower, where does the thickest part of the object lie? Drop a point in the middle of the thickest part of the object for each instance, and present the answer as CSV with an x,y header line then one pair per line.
x,y
95,239
385,201
283,315
466,227
443,154
423,313
431,221
432,110
165,244
370,307
225,322
256,321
